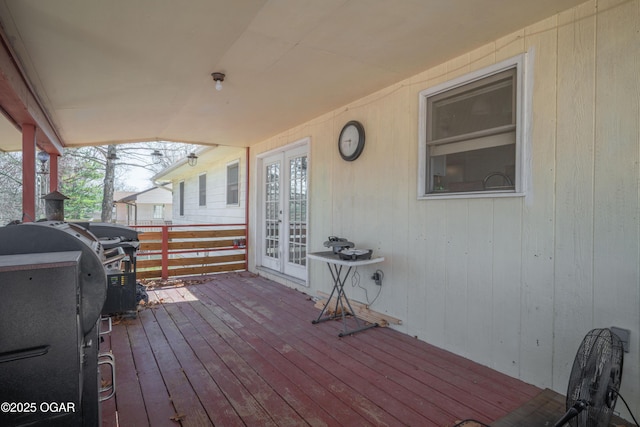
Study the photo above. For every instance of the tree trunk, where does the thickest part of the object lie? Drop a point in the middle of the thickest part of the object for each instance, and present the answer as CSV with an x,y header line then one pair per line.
x,y
109,178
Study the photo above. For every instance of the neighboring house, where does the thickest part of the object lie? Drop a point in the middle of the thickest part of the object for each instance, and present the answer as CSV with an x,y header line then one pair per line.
x,y
149,207
120,213
213,191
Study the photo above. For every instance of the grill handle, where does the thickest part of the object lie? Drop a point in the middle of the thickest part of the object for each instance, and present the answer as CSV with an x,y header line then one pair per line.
x,y
108,331
108,359
24,354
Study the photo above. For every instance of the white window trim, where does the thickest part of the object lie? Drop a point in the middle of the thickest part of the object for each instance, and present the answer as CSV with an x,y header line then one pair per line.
x,y
226,183
524,85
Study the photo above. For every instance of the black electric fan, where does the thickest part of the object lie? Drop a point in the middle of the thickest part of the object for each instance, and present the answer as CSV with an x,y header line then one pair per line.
x,y
595,380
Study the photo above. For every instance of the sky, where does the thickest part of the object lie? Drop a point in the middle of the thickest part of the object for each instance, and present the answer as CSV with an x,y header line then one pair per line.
x,y
135,179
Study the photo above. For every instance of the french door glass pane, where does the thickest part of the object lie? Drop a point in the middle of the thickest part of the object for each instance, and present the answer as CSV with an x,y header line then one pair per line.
x,y
272,210
298,210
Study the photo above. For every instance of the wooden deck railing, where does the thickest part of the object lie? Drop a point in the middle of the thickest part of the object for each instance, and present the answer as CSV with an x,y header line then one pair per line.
x,y
186,250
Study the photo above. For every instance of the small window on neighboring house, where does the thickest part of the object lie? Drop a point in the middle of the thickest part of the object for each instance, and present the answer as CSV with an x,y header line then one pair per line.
x,y
158,211
202,189
471,133
233,183
181,196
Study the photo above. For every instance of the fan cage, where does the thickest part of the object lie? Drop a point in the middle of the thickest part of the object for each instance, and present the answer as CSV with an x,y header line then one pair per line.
x,y
595,378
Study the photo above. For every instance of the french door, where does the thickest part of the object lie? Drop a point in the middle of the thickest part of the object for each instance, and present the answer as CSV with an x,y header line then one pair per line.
x,y
284,200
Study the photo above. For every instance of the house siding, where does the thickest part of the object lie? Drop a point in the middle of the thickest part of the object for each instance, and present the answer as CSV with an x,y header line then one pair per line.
x,y
142,209
216,211
513,283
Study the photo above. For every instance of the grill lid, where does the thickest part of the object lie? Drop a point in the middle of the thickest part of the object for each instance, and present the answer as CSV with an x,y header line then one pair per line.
x,y
52,236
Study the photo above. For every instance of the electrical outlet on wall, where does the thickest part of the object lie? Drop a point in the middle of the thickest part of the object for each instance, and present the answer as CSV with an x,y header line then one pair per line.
x,y
377,277
623,334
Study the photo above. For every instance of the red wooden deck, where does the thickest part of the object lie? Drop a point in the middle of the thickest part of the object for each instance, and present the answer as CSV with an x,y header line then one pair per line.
x,y
241,350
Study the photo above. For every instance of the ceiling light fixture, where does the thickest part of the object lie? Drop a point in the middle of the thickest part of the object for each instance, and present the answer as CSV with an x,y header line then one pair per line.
x,y
218,78
192,159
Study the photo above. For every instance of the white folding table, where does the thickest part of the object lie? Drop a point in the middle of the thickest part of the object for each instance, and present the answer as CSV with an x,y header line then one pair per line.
x,y
336,264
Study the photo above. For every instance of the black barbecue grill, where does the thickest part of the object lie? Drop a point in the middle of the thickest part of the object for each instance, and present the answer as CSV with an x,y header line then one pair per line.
x,y
121,243
53,286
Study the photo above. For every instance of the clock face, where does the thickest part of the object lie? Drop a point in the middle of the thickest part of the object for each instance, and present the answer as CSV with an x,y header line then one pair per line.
x,y
351,141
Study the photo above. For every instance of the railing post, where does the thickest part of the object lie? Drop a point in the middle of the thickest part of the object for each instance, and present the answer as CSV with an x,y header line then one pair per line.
x,y
246,212
165,252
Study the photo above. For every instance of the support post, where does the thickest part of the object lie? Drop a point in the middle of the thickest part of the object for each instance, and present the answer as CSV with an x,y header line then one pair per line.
x,y
53,173
246,211
28,173
165,252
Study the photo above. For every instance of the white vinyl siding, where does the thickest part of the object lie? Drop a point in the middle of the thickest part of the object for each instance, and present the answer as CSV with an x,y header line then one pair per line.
x,y
216,211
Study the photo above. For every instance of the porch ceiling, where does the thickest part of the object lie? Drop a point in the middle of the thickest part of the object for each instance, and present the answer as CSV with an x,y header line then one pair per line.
x,y
121,70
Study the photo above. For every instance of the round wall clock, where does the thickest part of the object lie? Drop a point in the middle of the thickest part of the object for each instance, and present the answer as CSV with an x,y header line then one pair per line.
x,y
351,140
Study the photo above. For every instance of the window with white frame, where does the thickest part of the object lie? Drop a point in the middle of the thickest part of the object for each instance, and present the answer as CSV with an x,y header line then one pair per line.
x,y
202,190
471,133
233,183
158,211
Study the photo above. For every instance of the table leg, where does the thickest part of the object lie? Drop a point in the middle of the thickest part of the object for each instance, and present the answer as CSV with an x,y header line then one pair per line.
x,y
338,285
320,319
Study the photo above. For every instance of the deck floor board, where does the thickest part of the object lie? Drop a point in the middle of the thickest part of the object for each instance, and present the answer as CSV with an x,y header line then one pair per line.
x,y
273,367
432,386
131,400
312,343
267,329
240,350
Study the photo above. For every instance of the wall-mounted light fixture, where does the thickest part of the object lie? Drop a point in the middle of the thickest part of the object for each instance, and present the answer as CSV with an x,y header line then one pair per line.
x,y
112,153
218,78
43,158
156,156
192,159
